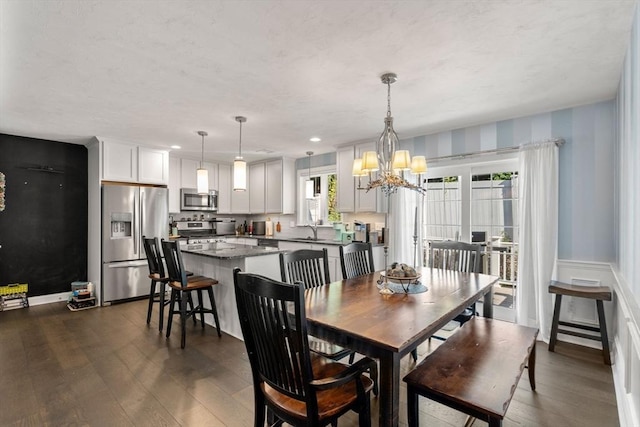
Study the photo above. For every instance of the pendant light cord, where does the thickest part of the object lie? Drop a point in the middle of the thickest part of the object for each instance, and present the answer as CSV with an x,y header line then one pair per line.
x,y
240,144
202,158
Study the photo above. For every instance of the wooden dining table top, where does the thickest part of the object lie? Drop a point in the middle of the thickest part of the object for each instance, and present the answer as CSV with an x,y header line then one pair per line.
x,y
355,307
353,313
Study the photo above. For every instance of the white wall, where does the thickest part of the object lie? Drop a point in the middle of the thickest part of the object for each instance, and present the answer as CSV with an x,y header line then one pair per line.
x,y
626,267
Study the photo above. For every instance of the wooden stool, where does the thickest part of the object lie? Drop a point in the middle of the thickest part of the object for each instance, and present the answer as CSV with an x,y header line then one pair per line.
x,y
599,293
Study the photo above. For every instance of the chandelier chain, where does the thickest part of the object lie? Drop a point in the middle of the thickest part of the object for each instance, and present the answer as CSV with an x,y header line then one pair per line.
x,y
388,98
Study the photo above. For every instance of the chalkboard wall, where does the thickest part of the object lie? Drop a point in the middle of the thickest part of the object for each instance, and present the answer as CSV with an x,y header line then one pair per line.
x,y
43,229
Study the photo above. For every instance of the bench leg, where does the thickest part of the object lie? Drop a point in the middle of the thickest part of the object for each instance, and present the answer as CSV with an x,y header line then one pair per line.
x,y
603,333
532,367
495,422
554,324
412,408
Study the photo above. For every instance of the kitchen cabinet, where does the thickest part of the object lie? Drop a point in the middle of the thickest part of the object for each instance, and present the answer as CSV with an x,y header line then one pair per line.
x,y
240,201
280,186
366,201
224,188
174,185
188,173
345,195
257,187
119,161
272,187
128,162
153,166
212,173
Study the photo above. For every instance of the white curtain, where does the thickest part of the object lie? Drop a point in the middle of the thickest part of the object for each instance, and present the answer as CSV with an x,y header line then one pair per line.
x,y
538,176
405,216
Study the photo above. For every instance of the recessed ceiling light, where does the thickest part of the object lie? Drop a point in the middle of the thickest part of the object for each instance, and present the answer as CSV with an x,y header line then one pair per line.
x,y
176,147
315,139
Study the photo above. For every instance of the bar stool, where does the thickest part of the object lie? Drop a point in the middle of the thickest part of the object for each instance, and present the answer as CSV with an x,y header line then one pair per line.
x,y
599,293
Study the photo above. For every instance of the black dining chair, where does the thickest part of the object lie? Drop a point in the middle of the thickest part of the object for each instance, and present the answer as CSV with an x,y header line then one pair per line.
x,y
456,256
181,289
356,259
293,384
311,267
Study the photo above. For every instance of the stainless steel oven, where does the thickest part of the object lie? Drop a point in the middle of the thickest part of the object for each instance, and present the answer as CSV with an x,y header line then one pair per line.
x,y
190,200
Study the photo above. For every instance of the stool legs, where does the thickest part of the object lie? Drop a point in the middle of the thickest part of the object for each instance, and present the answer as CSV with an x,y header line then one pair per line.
x,y
554,325
602,329
603,333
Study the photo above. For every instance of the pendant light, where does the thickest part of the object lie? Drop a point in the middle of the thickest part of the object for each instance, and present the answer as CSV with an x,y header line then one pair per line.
x,y
309,184
202,175
387,165
239,165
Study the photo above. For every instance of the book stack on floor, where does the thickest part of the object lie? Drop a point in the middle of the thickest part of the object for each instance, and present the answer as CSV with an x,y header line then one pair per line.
x,y
82,297
14,296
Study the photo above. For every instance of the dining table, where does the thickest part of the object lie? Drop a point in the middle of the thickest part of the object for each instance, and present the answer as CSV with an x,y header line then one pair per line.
x,y
353,313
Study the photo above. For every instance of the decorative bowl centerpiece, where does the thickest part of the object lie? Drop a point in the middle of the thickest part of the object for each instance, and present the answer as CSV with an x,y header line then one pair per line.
x,y
402,274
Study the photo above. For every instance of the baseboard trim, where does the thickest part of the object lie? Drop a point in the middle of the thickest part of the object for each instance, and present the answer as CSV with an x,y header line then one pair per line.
x,y
49,299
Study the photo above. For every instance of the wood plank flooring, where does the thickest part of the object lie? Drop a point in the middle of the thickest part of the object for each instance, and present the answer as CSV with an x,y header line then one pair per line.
x,y
106,367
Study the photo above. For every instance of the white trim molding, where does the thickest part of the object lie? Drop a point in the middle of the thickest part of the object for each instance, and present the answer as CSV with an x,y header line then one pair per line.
x,y
622,315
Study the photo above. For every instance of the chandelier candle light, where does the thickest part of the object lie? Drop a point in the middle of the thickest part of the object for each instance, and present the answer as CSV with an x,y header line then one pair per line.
x,y
390,164
202,175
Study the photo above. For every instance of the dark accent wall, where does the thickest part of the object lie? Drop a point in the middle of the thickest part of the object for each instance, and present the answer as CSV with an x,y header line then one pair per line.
x,y
43,229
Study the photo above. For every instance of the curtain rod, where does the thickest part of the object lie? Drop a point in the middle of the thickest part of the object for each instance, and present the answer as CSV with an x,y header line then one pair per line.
x,y
557,141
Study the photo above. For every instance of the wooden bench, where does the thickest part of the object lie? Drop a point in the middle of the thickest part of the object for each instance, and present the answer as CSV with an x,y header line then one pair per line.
x,y
476,370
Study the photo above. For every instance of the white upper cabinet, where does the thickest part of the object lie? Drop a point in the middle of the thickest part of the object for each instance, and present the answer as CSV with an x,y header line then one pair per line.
x,y
153,166
272,187
257,186
280,186
127,162
240,202
224,188
366,201
345,195
188,169
119,161
212,172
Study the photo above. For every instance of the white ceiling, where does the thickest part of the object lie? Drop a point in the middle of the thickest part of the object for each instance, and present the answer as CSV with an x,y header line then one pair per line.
x,y
156,72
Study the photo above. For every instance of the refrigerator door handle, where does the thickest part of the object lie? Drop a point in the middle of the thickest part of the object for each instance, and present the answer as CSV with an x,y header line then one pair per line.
x,y
143,200
135,227
127,264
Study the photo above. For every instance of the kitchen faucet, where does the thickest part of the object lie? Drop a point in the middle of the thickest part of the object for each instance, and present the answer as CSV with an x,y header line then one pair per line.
x,y
314,228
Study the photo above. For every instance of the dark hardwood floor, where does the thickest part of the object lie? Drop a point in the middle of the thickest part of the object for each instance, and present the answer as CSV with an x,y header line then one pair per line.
x,y
106,367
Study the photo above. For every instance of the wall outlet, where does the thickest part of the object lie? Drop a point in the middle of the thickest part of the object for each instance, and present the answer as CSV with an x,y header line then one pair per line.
x,y
292,224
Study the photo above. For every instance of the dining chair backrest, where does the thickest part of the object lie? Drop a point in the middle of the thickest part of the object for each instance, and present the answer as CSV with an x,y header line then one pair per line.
x,y
458,256
175,266
154,258
356,259
274,327
308,266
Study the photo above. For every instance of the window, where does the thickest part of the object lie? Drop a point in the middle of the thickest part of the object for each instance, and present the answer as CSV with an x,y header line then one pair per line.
x,y
478,203
321,208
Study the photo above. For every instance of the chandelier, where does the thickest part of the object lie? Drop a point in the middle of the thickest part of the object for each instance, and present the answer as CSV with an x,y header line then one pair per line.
x,y
389,162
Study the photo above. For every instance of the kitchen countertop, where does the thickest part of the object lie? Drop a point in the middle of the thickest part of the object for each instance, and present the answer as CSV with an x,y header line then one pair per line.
x,y
231,251
299,240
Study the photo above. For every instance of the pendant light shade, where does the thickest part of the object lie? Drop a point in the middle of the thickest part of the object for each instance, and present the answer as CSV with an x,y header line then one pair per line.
x,y
202,175
239,165
309,184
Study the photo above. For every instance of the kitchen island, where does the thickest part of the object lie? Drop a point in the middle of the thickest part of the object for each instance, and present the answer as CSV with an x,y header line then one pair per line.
x,y
217,260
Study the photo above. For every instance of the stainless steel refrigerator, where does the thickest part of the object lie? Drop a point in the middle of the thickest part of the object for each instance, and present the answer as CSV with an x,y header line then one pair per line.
x,y
128,213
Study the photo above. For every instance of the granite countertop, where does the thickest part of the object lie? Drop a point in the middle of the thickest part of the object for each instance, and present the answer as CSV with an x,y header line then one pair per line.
x,y
231,251
302,240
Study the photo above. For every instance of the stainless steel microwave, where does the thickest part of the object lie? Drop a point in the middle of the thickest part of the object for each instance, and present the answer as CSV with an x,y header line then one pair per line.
x,y
190,200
